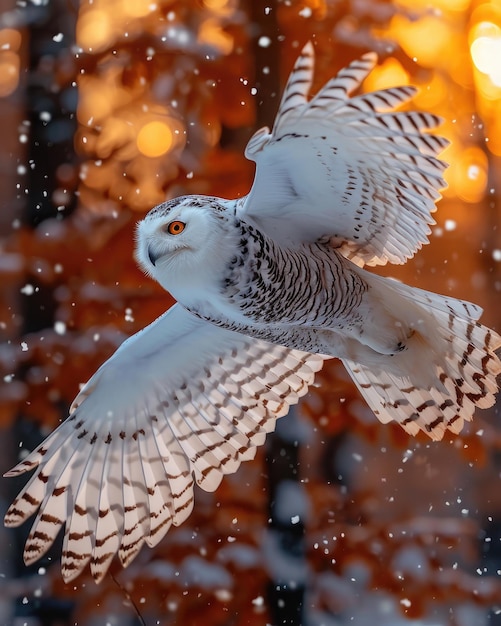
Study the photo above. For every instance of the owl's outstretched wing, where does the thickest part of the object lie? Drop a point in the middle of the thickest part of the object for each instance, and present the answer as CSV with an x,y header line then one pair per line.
x,y
352,169
180,401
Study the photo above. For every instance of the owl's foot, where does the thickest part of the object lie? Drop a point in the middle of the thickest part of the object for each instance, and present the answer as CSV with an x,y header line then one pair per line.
x,y
384,340
401,346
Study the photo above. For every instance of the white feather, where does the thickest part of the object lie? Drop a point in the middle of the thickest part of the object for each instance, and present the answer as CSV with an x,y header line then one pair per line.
x,y
120,480
339,167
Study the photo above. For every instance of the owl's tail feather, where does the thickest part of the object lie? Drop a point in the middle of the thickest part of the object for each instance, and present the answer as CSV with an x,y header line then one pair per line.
x,y
449,365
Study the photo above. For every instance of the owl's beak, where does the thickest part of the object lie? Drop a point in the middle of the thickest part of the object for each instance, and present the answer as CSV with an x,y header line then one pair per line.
x,y
152,256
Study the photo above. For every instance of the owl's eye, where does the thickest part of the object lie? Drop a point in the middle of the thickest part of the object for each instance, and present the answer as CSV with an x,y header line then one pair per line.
x,y
175,228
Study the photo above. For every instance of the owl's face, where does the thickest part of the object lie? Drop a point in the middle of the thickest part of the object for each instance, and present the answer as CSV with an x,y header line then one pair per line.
x,y
180,241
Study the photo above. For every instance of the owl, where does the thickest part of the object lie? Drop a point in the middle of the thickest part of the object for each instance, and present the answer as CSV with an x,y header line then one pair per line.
x,y
268,287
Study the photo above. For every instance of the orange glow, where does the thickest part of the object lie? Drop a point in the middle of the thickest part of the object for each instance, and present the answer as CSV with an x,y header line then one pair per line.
x,y
494,134
452,5
467,173
389,74
444,5
96,102
9,72
425,39
210,32
116,137
10,42
460,68
433,94
97,176
154,139
216,5
489,93
138,8
102,96
10,39
94,30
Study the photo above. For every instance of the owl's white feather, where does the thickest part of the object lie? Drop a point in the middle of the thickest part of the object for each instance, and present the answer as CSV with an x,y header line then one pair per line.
x,y
180,402
268,286
348,168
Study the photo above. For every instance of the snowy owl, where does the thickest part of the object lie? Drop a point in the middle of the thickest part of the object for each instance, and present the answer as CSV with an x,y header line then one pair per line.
x,y
268,287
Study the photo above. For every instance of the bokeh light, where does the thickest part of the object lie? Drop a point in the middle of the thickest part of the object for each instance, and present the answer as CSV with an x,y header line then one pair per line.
x,y
94,29
10,42
211,32
467,173
486,51
425,39
138,8
97,100
216,5
154,139
438,5
484,40
390,73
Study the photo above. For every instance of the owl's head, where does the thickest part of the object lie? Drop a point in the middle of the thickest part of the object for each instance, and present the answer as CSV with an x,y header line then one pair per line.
x,y
182,240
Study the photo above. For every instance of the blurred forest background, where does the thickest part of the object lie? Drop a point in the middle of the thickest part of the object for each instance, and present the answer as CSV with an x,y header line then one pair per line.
x,y
107,107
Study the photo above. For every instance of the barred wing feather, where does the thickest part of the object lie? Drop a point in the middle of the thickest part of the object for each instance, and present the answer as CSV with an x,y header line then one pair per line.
x,y
351,169
182,401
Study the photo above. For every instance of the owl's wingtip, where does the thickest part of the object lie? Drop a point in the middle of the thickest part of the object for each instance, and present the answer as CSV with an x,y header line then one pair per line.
x,y
371,57
308,48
